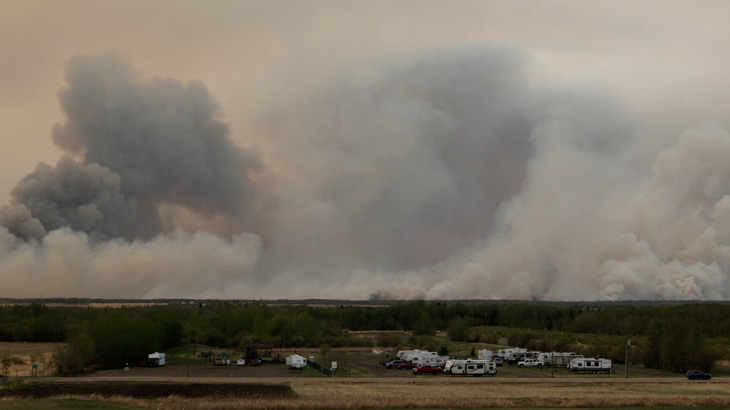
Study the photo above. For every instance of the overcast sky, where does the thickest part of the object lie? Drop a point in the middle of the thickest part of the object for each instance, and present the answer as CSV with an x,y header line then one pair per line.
x,y
557,150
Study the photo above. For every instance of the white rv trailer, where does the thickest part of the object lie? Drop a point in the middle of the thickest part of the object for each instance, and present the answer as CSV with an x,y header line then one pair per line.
x,y
590,365
470,367
557,359
506,353
296,361
417,355
516,357
156,359
409,355
485,354
431,360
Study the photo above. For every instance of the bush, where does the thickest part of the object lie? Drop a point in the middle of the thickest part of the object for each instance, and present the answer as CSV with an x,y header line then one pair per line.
x,y
388,339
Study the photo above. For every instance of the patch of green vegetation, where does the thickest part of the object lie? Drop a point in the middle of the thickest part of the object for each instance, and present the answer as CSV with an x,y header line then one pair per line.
x,y
69,404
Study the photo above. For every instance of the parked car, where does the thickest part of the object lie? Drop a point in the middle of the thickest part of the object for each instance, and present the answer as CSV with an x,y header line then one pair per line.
x,y
394,364
698,375
498,361
406,366
240,362
427,368
255,362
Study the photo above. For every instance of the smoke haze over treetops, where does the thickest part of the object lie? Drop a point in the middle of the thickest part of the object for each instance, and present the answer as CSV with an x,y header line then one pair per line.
x,y
456,175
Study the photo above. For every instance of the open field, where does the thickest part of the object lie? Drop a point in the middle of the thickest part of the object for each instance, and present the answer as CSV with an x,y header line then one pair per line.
x,y
22,356
414,393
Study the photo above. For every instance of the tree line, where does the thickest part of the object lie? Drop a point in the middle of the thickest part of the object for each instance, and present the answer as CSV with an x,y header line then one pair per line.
x,y
669,336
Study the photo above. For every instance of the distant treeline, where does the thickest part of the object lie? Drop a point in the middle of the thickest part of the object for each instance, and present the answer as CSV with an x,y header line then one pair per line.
x,y
114,336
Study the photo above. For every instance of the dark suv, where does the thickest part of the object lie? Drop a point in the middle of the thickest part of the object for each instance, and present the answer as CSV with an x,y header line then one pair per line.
x,y
698,375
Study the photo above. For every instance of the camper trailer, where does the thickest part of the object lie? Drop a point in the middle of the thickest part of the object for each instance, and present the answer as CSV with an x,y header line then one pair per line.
x,y
156,359
470,367
485,354
517,357
296,361
590,365
506,353
430,360
557,359
415,356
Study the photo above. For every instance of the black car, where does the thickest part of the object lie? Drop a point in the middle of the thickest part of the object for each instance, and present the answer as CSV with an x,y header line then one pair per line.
x,y
394,364
698,375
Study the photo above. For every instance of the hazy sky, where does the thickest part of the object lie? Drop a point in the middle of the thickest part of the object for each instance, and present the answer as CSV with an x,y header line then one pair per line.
x,y
558,150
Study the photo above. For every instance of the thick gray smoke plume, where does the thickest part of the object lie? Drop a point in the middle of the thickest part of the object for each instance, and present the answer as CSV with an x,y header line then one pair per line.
x,y
142,144
85,198
454,176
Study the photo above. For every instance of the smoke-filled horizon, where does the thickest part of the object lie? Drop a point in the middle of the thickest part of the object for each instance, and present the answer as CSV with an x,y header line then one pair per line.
x,y
455,175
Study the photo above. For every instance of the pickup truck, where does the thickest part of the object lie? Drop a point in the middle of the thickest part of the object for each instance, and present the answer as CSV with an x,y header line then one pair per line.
x,y
529,363
427,368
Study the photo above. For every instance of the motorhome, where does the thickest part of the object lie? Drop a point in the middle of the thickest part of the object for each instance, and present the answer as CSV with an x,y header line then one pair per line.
x,y
470,367
590,365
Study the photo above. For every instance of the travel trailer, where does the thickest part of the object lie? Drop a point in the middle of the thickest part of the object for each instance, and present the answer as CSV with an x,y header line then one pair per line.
x,y
470,367
156,359
590,365
485,354
296,361
557,359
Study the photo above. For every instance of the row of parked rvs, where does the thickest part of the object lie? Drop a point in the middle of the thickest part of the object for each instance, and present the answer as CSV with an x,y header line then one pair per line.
x,y
572,361
487,361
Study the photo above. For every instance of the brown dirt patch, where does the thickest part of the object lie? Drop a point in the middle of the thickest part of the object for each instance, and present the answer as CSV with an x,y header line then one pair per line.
x,y
148,390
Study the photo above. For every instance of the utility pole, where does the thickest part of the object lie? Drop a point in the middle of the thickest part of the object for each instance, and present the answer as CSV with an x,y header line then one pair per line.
x,y
552,355
188,350
626,365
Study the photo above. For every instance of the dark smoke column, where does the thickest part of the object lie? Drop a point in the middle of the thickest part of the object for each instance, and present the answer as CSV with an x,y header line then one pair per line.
x,y
155,142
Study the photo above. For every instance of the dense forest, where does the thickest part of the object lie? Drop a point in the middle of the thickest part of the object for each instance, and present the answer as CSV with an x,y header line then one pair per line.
x,y
669,336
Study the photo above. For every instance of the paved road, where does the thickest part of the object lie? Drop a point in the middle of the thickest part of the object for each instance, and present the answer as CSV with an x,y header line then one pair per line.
x,y
394,380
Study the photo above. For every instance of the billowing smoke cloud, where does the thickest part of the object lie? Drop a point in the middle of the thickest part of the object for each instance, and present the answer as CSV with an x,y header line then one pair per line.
x,y
85,198
455,176
160,141
404,172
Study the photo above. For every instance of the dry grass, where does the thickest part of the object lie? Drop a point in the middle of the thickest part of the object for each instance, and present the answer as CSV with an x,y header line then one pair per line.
x,y
22,355
448,394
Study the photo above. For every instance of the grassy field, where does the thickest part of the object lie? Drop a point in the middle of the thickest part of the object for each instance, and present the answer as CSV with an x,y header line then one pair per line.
x,y
21,357
447,393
